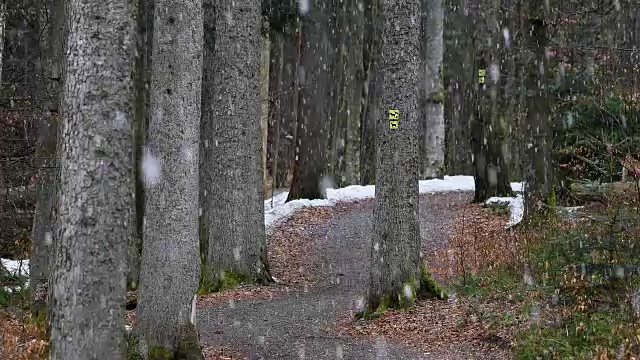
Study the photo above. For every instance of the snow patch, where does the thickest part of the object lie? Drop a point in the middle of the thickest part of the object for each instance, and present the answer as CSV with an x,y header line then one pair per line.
x,y
516,208
16,267
276,210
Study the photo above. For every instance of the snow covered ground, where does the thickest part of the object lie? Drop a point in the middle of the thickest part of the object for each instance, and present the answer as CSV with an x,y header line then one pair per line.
x,y
276,210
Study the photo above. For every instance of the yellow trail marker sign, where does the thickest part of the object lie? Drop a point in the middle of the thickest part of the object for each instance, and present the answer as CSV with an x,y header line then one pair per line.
x,y
394,116
481,75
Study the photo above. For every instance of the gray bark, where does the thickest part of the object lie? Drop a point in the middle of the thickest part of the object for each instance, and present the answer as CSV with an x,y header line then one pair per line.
x,y
233,208
283,112
52,17
539,181
489,135
3,20
433,50
315,112
142,86
169,265
96,183
395,251
354,84
371,90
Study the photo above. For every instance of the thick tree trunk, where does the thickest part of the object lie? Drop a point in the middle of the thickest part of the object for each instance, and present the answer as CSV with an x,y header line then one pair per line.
x,y
459,156
539,184
52,17
233,206
434,95
371,91
396,276
96,182
315,88
170,268
488,130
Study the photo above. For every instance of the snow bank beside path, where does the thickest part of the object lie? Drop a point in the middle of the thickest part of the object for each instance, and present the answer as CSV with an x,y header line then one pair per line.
x,y
280,211
516,208
276,210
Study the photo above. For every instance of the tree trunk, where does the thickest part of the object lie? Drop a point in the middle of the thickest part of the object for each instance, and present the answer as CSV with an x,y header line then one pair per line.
x,y
233,206
315,89
371,91
354,92
539,184
264,107
52,17
170,268
460,65
96,182
3,20
288,106
396,276
488,130
434,95
142,84
276,74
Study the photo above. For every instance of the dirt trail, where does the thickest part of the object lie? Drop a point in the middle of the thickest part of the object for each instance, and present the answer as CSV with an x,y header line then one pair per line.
x,y
301,324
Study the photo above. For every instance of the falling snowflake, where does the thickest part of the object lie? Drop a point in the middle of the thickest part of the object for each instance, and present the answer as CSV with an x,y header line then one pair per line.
x,y
187,153
119,119
304,6
48,238
507,37
151,168
408,291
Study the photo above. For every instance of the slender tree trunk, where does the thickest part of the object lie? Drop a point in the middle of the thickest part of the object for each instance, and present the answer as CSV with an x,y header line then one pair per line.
x,y
354,92
264,107
3,20
276,73
315,88
433,50
170,269
231,174
52,17
395,273
288,106
371,91
142,85
96,182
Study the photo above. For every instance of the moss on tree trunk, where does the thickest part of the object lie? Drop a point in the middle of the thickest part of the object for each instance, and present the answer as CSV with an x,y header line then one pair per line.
x,y
187,347
405,297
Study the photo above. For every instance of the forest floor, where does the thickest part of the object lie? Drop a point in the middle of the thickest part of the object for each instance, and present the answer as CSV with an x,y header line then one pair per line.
x,y
322,255
320,258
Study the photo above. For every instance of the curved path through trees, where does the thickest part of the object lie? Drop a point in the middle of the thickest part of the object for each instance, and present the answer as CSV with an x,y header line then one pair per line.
x,y
301,324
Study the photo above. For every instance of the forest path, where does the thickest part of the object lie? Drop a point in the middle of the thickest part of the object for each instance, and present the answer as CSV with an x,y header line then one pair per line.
x,y
301,324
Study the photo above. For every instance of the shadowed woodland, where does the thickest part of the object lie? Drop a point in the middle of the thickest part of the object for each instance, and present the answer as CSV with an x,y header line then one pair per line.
x,y
291,179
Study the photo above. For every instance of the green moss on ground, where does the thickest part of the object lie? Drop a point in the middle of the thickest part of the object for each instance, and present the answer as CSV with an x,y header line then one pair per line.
x,y
160,353
132,347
